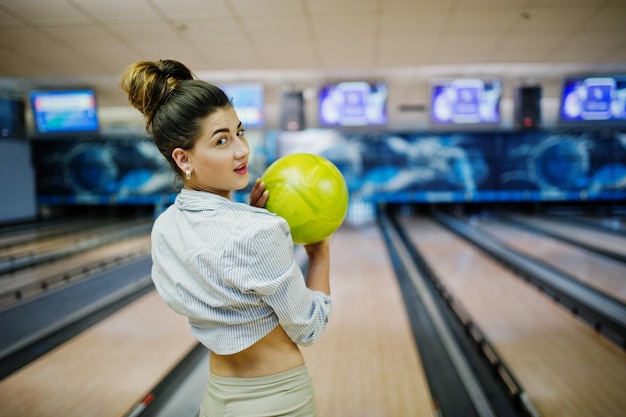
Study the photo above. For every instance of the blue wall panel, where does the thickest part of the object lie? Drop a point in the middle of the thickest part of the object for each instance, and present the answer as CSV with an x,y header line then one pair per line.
x,y
378,166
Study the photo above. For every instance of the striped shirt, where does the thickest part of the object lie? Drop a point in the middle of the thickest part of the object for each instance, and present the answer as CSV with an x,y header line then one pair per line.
x,y
229,268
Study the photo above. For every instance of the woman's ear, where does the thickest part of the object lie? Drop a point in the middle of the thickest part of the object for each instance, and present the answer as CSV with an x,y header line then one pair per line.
x,y
181,158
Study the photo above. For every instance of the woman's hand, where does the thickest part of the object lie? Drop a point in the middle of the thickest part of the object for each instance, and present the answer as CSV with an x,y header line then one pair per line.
x,y
259,195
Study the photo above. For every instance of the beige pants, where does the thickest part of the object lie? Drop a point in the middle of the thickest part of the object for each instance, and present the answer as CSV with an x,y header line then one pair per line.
x,y
288,393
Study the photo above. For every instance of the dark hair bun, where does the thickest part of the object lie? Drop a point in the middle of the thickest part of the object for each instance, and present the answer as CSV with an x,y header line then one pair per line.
x,y
149,83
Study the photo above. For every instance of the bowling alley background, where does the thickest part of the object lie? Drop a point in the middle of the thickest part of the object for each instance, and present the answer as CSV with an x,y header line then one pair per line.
x,y
466,154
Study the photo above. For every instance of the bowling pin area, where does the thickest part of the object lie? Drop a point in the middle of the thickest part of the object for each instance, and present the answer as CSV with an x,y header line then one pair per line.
x,y
438,311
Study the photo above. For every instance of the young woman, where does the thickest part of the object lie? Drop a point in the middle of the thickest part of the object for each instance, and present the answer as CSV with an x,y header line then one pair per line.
x,y
227,266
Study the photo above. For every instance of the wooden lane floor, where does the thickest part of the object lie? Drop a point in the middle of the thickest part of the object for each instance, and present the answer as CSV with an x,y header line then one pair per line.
x,y
367,363
604,240
609,222
85,238
566,367
24,283
12,236
105,370
604,274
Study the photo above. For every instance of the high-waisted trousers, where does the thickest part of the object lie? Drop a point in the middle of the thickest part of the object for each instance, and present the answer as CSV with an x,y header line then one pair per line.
x,y
288,393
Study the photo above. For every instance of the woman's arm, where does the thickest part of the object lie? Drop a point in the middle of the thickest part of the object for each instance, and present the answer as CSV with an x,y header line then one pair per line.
x,y
318,270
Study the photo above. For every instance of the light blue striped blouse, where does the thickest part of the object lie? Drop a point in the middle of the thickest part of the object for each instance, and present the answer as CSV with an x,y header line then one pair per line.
x,y
230,268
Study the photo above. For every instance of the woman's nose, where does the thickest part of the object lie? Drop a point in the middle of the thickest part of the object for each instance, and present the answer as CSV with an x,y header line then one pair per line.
x,y
242,150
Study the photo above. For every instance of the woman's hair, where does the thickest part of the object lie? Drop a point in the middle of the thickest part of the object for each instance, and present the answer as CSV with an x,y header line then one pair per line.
x,y
172,102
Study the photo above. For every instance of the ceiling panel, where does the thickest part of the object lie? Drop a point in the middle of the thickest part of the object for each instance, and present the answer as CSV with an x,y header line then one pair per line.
x,y
24,37
482,21
554,20
406,52
528,48
8,19
416,6
134,33
570,3
464,48
43,12
115,10
342,7
59,61
403,24
111,58
588,48
193,9
227,55
272,29
79,34
266,8
209,34
486,4
337,26
608,19
352,52
289,54
167,50
15,65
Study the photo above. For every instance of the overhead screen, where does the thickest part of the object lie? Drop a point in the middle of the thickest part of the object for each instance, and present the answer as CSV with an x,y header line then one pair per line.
x,y
465,102
353,104
593,101
248,100
64,111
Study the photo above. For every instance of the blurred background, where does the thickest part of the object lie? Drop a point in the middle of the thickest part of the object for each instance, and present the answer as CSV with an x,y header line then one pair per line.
x,y
479,272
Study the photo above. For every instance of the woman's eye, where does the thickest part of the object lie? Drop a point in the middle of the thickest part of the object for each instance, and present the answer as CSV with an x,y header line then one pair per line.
x,y
241,132
221,141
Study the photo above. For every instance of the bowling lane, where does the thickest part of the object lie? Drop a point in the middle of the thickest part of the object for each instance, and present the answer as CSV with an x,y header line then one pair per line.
x,y
77,238
603,240
11,235
105,370
605,274
367,363
25,283
566,367
613,223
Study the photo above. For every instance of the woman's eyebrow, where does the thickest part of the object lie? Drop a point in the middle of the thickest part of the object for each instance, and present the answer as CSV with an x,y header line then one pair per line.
x,y
226,130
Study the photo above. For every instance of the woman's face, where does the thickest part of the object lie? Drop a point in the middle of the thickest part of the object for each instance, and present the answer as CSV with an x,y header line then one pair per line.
x,y
219,159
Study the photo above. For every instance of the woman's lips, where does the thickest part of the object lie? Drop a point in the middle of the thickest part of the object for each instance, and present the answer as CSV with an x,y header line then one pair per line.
x,y
241,170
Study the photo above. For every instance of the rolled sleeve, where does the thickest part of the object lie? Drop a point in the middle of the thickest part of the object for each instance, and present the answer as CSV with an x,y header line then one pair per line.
x,y
302,312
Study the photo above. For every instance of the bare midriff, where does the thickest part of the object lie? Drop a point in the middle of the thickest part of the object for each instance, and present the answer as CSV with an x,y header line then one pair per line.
x,y
272,354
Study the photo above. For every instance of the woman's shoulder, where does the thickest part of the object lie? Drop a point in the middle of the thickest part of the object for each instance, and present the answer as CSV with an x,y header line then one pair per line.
x,y
233,221
261,222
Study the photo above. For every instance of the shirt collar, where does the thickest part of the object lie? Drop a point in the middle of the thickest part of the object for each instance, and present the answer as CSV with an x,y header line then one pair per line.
x,y
193,200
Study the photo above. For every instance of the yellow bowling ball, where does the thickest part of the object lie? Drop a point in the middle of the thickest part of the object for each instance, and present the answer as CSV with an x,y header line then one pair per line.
x,y
310,193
